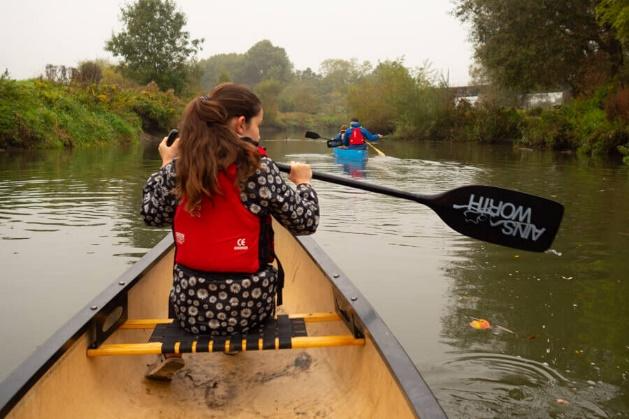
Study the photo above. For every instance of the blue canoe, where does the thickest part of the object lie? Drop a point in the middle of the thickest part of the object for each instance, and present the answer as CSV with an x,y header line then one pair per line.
x,y
351,154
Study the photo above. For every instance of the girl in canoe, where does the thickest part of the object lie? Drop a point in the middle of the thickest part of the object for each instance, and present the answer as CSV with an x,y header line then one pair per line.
x,y
339,139
218,189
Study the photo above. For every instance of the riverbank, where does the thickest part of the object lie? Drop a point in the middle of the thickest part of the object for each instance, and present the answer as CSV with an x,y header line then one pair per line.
x,y
43,114
594,126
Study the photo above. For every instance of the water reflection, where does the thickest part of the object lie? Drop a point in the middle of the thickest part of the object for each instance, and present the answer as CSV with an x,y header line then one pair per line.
x,y
565,307
354,168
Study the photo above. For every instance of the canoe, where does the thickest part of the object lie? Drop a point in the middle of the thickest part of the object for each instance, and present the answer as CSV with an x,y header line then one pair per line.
x,y
351,154
353,367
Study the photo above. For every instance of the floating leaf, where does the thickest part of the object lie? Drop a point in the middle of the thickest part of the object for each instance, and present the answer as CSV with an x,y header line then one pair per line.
x,y
480,324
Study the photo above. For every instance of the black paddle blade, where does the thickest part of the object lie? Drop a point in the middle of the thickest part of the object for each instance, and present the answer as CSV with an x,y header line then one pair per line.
x,y
312,135
499,216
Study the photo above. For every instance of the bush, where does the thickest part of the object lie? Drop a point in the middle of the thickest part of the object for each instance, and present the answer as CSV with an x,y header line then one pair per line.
x,y
158,110
89,72
606,139
493,124
547,129
483,123
617,105
624,150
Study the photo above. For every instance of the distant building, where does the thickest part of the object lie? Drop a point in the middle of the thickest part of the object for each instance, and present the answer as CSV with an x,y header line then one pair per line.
x,y
472,95
544,100
470,99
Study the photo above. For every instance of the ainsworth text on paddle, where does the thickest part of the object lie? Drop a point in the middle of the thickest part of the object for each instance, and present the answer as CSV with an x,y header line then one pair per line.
x,y
514,220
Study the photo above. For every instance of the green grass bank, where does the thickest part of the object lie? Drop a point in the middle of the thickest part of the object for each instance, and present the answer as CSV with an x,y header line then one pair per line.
x,y
43,114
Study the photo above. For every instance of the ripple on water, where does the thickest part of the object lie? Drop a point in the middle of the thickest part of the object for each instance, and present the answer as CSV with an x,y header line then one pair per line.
x,y
489,384
33,203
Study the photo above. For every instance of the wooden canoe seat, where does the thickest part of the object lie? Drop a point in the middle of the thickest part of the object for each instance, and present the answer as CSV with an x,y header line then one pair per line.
x,y
283,332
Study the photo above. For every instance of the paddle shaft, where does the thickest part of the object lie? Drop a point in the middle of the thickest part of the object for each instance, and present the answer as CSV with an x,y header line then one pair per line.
x,y
377,150
365,186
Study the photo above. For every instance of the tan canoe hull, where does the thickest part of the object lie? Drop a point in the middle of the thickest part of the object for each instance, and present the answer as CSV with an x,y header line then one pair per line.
x,y
343,382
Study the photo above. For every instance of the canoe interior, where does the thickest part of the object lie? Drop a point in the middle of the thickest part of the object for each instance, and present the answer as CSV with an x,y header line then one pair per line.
x,y
324,382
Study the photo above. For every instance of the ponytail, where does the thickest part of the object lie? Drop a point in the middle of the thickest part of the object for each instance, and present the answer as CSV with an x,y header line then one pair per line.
x,y
209,145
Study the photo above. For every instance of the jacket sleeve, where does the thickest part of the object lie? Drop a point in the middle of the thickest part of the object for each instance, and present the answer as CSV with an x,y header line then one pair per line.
x,y
368,135
296,209
159,201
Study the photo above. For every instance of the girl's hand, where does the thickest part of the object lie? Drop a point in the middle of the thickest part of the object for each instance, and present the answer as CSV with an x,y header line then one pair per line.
x,y
300,173
168,153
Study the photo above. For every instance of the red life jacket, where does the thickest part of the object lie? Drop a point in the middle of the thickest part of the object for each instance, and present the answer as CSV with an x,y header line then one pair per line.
x,y
356,137
224,236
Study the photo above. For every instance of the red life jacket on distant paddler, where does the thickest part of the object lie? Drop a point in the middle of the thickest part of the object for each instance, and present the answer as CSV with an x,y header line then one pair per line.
x,y
356,137
224,236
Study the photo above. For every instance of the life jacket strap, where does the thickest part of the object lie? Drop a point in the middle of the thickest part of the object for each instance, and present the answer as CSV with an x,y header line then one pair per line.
x,y
280,281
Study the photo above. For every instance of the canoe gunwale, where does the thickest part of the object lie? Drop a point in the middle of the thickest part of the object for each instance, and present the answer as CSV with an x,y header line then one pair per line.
x,y
353,307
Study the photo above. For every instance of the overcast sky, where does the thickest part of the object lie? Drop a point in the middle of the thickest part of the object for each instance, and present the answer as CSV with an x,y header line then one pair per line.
x,y
34,33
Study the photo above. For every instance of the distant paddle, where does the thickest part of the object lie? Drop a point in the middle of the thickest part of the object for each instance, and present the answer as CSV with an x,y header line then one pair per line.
x,y
331,143
487,213
312,135
377,150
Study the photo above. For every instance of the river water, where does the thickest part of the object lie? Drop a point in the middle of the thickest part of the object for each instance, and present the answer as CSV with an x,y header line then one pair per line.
x,y
559,345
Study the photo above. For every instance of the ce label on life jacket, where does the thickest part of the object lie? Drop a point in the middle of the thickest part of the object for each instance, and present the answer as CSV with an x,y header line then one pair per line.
x,y
241,244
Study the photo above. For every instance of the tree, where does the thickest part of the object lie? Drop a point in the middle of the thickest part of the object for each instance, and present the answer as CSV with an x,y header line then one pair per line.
x,y
219,68
339,74
154,46
615,13
59,73
268,92
380,99
263,61
301,95
531,45
224,77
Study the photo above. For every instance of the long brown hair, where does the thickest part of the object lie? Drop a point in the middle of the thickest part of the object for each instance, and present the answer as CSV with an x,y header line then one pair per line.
x,y
208,144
